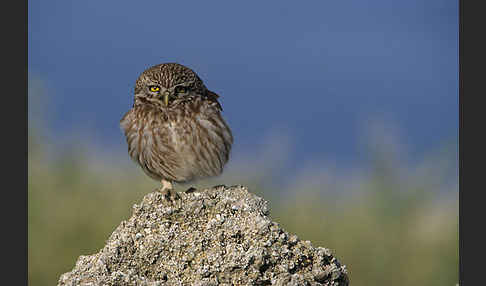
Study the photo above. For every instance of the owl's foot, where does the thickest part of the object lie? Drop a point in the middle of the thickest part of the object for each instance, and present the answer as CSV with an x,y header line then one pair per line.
x,y
170,195
168,191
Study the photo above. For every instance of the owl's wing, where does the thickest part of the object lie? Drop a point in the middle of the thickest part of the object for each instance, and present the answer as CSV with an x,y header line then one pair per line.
x,y
213,97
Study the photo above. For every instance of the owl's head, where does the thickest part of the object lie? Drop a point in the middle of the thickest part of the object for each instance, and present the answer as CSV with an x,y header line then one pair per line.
x,y
166,83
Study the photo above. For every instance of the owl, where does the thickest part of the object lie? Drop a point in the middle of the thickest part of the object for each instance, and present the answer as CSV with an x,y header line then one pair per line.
x,y
175,131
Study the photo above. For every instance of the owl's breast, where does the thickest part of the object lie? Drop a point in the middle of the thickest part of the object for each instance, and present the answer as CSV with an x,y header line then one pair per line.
x,y
179,145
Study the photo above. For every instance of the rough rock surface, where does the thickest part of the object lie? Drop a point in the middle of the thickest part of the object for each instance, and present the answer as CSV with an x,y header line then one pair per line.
x,y
218,236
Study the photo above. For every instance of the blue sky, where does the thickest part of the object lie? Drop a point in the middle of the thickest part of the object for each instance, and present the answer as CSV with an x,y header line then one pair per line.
x,y
315,71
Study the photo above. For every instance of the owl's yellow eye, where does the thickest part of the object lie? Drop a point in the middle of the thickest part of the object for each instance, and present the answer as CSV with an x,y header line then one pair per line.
x,y
154,88
181,89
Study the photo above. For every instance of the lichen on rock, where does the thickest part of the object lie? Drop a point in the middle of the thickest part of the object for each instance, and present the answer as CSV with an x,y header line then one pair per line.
x,y
217,236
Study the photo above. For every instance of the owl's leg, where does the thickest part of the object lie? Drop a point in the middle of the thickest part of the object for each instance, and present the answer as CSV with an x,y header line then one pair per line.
x,y
166,185
168,190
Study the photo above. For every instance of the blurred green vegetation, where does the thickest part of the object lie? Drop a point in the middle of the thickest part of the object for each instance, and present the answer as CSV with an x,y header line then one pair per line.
x,y
385,232
394,225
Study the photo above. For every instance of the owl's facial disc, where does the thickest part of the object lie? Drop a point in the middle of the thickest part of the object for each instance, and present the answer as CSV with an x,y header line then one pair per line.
x,y
156,94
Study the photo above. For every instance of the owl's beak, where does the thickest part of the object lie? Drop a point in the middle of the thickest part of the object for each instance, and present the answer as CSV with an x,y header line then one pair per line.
x,y
165,96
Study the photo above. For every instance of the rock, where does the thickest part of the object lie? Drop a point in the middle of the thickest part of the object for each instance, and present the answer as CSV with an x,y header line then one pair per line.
x,y
218,236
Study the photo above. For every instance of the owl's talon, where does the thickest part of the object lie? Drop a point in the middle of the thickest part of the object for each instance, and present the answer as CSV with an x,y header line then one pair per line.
x,y
169,194
168,191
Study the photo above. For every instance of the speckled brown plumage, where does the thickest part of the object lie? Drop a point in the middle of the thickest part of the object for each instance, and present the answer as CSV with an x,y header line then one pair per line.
x,y
175,130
